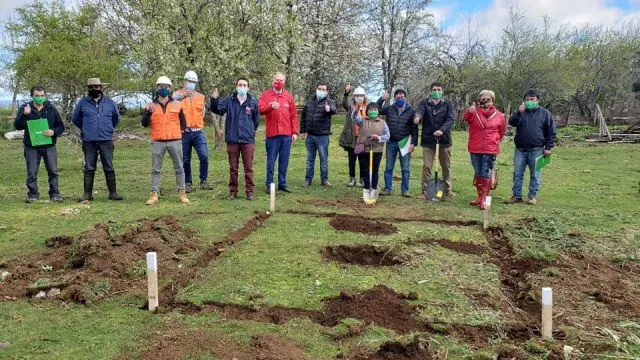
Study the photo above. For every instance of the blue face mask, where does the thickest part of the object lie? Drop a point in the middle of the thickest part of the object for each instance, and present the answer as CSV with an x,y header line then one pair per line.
x,y
321,94
164,92
190,86
242,91
400,102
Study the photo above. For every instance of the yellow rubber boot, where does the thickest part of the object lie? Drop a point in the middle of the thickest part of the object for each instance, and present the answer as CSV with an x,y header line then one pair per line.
x,y
183,198
153,199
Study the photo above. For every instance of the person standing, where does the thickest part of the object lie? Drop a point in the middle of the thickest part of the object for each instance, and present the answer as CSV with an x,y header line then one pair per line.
x,y
399,118
194,136
241,123
281,119
40,108
96,115
486,130
166,120
373,133
535,137
437,116
315,129
349,133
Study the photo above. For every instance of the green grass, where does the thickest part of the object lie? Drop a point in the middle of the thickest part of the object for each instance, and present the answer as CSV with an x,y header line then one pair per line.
x,y
589,202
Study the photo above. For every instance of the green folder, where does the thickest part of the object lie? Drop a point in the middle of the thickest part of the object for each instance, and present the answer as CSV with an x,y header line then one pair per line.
x,y
36,132
542,161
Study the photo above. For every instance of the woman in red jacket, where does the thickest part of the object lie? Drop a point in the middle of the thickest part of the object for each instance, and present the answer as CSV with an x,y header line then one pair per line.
x,y
486,130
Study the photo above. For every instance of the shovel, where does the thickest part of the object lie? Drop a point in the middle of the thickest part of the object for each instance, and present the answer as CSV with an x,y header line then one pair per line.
x,y
370,196
435,187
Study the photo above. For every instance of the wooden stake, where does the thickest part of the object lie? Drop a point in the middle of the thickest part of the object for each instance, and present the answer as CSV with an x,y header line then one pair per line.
x,y
486,213
272,198
152,280
547,313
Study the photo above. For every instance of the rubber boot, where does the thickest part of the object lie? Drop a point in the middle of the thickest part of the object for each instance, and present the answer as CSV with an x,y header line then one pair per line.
x,y
111,185
183,198
153,199
88,187
485,184
476,202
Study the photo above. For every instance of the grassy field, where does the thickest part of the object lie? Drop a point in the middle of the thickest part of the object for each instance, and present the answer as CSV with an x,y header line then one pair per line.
x,y
582,239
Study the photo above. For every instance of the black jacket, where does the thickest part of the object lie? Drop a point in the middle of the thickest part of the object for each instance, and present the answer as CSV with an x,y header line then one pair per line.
x,y
440,116
48,112
400,125
315,120
535,129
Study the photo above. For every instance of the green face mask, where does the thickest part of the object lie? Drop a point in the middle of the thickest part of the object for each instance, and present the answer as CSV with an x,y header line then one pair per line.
x,y
436,95
39,100
372,114
530,104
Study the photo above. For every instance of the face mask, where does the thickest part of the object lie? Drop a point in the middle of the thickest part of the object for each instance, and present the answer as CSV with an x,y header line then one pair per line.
x,y
190,86
359,99
242,91
39,100
530,104
321,94
163,92
400,102
278,85
95,93
372,114
436,95
484,103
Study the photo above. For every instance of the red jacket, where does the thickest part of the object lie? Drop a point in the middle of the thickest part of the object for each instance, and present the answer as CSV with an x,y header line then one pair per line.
x,y
486,130
284,120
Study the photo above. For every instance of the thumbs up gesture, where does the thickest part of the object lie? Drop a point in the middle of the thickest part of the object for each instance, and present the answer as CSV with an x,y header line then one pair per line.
x,y
472,108
215,93
385,96
347,88
27,109
327,108
521,107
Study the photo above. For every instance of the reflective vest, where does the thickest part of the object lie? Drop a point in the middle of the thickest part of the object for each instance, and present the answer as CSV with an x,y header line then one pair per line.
x,y
193,109
165,125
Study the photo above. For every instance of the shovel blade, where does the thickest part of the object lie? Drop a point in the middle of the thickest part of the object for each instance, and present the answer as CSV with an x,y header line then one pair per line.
x,y
368,196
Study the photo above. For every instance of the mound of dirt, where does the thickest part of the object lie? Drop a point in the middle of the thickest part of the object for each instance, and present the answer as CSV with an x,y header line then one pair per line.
x,y
362,255
97,263
362,225
415,350
380,305
512,353
458,246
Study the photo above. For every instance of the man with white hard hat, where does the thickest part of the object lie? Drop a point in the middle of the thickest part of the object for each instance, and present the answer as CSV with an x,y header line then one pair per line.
x,y
193,105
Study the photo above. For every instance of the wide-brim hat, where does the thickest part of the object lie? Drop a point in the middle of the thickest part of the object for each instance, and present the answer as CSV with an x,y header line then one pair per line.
x,y
95,81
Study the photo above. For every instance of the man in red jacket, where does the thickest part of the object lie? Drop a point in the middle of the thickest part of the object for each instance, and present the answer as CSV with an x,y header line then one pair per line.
x,y
281,119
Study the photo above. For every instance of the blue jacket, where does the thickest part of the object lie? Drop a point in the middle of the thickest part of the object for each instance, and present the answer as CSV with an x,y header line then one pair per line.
x,y
242,119
535,129
96,120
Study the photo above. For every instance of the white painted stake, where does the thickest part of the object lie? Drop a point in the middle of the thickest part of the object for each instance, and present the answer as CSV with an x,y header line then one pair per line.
x,y
272,198
486,213
152,280
547,313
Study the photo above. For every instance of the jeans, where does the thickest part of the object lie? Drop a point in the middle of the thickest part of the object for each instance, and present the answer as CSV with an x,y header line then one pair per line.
x,y
428,157
278,147
32,156
483,164
246,151
393,149
363,158
158,149
523,159
198,141
321,145
91,151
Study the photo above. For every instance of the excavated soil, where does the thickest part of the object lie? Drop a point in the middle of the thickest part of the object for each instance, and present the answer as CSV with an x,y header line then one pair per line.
x,y
390,218
181,343
415,350
362,255
457,246
362,225
96,263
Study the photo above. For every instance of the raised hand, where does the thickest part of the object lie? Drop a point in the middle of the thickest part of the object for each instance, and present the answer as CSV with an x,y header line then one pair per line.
x,y
327,108
521,107
347,88
215,93
385,96
27,109
275,105
472,108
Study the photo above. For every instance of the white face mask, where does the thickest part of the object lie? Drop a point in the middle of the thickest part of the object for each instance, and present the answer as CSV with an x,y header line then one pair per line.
x,y
359,99
321,94
190,86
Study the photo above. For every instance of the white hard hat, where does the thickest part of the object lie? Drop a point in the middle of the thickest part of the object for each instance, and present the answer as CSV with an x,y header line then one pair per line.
x,y
164,80
359,91
191,76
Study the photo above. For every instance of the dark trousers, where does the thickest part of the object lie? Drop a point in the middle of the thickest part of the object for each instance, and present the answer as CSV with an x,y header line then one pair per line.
x,y
32,156
352,162
246,151
91,151
363,159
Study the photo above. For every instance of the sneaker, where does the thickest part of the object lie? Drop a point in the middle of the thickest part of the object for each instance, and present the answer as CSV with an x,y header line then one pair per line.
x,y
56,198
31,199
449,193
513,200
188,188
532,201
385,192
204,185
326,184
406,194
232,196
306,183
361,183
352,182
250,197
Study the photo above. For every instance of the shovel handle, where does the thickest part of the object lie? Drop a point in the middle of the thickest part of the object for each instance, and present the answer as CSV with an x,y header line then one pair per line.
x,y
437,154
